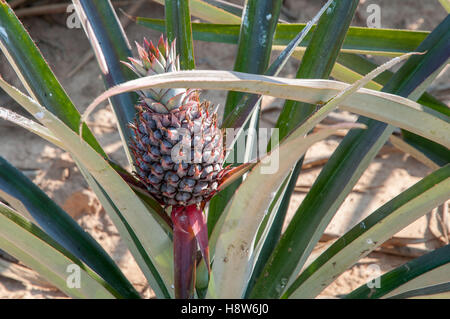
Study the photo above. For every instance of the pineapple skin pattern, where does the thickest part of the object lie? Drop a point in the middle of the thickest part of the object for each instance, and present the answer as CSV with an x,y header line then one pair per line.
x,y
177,145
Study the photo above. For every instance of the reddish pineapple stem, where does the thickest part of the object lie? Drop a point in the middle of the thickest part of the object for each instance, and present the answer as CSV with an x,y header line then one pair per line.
x,y
184,251
189,229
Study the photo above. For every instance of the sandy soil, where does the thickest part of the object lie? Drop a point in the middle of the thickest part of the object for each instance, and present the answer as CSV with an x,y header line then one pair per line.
x,y
54,171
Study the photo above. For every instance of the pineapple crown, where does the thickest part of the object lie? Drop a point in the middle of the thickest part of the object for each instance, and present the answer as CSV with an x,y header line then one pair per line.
x,y
157,60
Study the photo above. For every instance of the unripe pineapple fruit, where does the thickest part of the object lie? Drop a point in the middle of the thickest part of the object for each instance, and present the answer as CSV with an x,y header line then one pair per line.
x,y
178,147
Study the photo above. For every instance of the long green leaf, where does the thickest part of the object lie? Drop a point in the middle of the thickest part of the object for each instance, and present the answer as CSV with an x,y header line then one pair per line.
x,y
386,42
317,62
178,26
206,11
407,148
229,34
440,291
29,244
345,167
242,110
227,6
209,14
363,66
427,270
30,125
436,154
239,116
35,74
259,20
371,232
62,228
274,220
381,106
110,45
348,60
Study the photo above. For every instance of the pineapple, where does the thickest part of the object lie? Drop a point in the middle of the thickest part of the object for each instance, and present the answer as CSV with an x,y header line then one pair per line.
x,y
178,147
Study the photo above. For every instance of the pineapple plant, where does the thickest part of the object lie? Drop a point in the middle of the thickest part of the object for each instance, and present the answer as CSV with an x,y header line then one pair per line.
x,y
177,145
177,153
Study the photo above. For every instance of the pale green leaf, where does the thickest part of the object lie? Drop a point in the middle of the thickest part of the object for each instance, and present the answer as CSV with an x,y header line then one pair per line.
x,y
29,244
385,107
